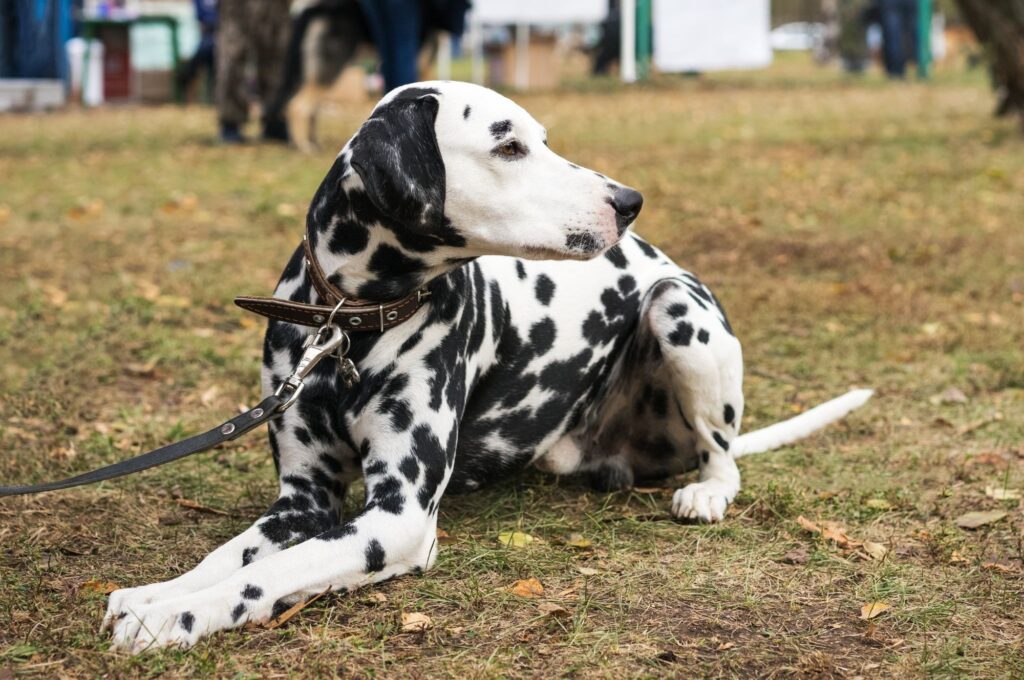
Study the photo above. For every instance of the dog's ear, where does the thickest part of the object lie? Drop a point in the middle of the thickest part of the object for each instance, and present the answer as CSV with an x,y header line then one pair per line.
x,y
397,157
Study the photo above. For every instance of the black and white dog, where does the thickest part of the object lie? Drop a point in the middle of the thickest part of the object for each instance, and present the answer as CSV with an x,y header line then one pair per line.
x,y
552,337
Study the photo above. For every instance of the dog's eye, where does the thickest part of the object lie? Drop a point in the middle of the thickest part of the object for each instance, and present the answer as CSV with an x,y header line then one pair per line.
x,y
510,150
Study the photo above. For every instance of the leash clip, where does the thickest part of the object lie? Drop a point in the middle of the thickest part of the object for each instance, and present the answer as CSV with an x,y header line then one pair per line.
x,y
317,347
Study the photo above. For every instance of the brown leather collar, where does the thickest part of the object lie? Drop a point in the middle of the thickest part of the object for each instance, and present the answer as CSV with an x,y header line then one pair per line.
x,y
346,313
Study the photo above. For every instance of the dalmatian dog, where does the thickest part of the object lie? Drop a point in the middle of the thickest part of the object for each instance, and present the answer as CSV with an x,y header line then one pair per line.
x,y
553,336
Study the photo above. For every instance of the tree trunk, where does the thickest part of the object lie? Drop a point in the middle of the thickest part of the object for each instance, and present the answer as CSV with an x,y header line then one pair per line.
x,y
999,25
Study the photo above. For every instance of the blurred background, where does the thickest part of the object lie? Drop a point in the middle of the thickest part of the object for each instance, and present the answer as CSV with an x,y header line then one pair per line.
x,y
294,57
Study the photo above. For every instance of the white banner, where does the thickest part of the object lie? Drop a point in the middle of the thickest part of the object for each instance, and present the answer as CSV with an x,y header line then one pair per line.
x,y
542,12
711,35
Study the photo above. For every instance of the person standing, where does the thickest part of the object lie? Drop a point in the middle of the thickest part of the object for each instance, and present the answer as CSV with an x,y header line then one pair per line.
x,y
255,30
397,28
206,52
899,35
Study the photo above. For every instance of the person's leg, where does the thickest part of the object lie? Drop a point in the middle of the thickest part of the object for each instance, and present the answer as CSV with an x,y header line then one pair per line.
x,y
892,38
909,21
377,20
270,29
405,20
232,49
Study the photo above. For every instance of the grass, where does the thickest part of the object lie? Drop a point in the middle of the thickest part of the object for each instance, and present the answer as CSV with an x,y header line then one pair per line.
x,y
859,232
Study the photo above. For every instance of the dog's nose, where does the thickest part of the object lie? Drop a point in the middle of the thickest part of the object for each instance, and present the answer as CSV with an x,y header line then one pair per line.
x,y
627,203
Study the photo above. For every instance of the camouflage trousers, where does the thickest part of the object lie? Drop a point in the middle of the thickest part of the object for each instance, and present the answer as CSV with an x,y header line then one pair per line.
x,y
250,31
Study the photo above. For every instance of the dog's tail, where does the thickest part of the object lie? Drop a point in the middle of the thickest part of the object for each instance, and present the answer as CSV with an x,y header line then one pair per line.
x,y
789,431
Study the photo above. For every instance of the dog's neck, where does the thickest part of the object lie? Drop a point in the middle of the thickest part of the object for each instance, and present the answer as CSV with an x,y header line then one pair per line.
x,y
367,255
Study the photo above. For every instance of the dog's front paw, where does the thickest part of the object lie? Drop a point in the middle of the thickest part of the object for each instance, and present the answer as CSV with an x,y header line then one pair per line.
x,y
152,626
121,602
703,501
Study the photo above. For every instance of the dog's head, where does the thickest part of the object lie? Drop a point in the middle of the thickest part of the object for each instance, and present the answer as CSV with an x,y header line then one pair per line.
x,y
455,159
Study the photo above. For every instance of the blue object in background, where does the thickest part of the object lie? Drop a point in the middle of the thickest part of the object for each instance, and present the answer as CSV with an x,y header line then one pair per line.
x,y
32,37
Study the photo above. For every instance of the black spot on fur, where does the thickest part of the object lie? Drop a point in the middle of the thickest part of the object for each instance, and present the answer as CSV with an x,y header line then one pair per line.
x,y
682,335
617,257
374,556
705,457
248,554
237,612
426,447
677,309
337,533
729,414
520,270
542,335
646,248
187,620
720,440
410,468
500,128
544,289
703,337
251,592
465,112
574,166
387,495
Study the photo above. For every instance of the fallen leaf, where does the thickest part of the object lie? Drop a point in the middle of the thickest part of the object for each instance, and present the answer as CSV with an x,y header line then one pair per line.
x,y
996,458
978,424
172,301
726,645
102,587
55,295
996,566
832,531
878,504
146,370
1002,494
647,489
284,616
797,556
873,609
875,551
377,597
287,210
529,587
808,525
552,609
578,541
588,571
951,395
956,557
199,507
209,395
415,622
444,538
514,539
5,212
973,520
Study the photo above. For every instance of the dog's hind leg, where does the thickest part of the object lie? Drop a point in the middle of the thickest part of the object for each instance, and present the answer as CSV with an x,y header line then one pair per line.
x,y
314,466
302,114
705,363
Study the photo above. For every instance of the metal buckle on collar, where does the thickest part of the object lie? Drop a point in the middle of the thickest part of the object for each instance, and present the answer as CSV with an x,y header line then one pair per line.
x,y
317,347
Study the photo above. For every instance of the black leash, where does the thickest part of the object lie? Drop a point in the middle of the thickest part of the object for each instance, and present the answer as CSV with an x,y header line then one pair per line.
x,y
236,427
336,344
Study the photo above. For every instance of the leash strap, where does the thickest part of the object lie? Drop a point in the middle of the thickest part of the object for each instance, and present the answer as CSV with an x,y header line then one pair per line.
x,y
328,341
230,429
